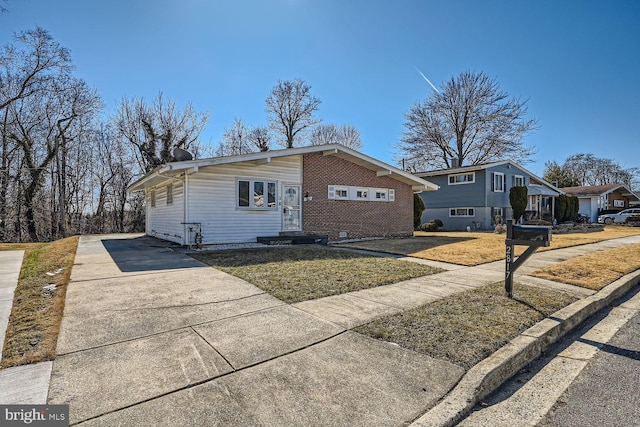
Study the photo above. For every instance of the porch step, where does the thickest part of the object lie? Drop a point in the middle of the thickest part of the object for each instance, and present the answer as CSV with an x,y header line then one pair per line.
x,y
294,239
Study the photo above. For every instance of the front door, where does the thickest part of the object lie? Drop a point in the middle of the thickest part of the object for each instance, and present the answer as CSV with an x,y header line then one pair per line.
x,y
291,208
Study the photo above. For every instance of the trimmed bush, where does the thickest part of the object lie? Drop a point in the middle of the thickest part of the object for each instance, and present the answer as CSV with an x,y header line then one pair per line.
x,y
519,200
432,225
418,208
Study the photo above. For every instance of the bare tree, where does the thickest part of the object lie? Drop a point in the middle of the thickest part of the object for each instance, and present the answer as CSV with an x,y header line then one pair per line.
x,y
235,140
586,169
242,139
260,138
290,110
44,110
156,129
471,121
346,135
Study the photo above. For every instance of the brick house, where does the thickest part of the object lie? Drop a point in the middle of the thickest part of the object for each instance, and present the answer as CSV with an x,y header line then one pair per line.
x,y
329,190
597,198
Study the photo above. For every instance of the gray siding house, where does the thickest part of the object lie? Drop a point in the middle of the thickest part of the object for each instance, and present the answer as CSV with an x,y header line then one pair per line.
x,y
477,197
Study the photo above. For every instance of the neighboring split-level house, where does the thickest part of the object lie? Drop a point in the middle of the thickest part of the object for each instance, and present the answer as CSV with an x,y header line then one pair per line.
x,y
329,190
597,198
477,197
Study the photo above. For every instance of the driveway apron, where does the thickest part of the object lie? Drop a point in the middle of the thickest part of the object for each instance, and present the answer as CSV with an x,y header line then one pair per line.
x,y
151,336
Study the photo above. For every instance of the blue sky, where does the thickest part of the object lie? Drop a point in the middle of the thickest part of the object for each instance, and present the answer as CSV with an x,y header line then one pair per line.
x,y
577,61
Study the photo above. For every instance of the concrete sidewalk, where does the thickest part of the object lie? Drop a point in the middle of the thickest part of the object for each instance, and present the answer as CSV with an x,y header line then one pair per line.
x,y
150,335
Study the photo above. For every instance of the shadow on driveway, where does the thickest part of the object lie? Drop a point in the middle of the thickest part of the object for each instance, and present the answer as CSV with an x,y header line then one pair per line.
x,y
147,254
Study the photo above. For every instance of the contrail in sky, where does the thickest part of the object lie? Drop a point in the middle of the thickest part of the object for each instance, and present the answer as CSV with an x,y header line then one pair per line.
x,y
428,81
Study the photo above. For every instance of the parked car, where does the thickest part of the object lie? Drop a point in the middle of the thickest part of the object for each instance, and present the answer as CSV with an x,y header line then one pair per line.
x,y
617,218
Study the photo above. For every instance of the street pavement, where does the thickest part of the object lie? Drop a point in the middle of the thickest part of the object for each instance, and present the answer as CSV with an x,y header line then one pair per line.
x,y
151,336
589,378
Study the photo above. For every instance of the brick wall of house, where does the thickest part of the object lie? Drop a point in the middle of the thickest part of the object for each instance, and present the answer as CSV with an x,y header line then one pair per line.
x,y
359,219
617,195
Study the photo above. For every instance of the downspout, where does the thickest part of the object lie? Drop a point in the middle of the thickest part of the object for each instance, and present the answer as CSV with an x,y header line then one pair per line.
x,y
185,210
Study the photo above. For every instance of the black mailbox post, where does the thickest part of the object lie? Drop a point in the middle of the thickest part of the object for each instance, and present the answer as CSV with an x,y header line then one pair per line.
x,y
533,236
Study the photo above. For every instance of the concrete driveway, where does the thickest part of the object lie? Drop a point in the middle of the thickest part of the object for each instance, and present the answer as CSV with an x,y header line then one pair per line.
x,y
151,336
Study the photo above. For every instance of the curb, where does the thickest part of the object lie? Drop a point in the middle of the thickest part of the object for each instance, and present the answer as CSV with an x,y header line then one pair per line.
x,y
489,374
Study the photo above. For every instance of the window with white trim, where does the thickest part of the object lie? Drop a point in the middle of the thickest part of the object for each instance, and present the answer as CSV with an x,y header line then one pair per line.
x,y
618,203
380,195
362,193
462,212
170,193
498,182
518,181
497,215
256,194
152,196
462,178
344,192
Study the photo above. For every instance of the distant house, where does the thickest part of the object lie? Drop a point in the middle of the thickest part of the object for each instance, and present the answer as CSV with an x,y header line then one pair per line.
x,y
329,190
477,197
597,198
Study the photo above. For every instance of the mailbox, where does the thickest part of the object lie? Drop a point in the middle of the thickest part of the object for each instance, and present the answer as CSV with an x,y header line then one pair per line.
x,y
529,235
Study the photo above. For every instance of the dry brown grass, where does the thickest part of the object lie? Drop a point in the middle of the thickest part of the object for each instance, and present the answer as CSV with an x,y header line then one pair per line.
x,y
36,314
476,248
300,273
596,270
468,327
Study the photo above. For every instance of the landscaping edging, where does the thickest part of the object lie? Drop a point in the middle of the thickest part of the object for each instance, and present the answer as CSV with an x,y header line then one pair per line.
x,y
493,371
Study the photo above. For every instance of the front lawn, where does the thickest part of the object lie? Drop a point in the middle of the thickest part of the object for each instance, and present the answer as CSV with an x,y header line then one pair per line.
x,y
300,273
466,328
474,248
595,270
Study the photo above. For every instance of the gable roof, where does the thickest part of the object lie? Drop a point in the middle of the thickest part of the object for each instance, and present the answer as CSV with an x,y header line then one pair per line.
x,y
599,190
173,169
441,172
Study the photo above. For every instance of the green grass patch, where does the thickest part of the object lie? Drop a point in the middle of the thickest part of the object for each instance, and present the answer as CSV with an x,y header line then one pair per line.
x,y
300,273
466,328
34,324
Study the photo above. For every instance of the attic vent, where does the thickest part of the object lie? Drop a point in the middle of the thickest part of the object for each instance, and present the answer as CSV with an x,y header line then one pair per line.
x,y
181,155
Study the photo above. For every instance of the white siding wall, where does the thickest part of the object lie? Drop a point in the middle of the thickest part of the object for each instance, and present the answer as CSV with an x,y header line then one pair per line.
x,y
212,200
164,220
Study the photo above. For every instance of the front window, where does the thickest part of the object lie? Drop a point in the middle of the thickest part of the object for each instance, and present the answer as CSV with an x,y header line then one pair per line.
x,y
152,196
498,182
518,181
256,194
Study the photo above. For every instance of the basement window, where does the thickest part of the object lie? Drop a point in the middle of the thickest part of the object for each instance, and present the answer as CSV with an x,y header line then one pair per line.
x,y
457,212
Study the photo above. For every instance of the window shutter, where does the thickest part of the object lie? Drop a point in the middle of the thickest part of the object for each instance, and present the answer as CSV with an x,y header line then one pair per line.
x,y
513,180
332,192
493,181
392,195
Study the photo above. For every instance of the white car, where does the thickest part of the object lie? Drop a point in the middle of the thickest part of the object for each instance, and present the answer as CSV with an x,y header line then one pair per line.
x,y
618,218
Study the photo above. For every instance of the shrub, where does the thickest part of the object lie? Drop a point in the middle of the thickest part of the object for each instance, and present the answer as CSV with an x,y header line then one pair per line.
x,y
519,200
633,220
432,225
418,208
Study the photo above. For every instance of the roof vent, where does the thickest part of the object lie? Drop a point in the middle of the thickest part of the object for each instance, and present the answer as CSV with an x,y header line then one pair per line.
x,y
181,155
